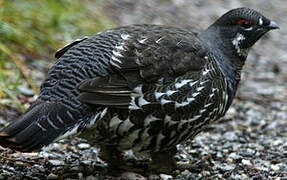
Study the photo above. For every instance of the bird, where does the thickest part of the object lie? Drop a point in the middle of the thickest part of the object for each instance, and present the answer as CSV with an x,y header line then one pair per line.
x,y
143,87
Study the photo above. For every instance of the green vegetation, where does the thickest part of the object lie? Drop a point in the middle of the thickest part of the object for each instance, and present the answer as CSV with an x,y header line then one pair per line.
x,y
31,31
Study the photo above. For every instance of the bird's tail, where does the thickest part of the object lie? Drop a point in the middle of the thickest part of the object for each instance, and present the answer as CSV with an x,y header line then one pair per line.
x,y
38,126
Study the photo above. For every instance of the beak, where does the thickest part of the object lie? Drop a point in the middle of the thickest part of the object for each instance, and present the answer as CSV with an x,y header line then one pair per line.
x,y
272,25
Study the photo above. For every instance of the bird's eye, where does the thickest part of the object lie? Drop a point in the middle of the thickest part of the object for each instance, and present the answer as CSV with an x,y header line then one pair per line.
x,y
246,24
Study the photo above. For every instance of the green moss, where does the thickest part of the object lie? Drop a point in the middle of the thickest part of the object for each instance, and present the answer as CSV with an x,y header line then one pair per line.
x,y
31,30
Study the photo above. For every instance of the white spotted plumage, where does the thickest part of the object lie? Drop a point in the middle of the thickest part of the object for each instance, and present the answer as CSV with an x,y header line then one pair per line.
x,y
117,54
133,105
142,40
142,101
125,36
182,83
260,22
236,42
115,59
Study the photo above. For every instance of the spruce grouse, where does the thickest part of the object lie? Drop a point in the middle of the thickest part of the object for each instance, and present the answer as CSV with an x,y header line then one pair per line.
x,y
144,88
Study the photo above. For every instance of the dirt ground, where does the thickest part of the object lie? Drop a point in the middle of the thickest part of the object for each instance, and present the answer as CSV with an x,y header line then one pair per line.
x,y
249,143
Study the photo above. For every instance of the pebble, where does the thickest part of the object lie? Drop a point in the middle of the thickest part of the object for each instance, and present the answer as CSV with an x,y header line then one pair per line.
x,y
225,167
246,162
153,177
275,167
229,160
87,162
165,177
52,176
56,162
25,91
234,156
205,173
132,176
185,172
20,163
80,175
91,178
84,146
250,152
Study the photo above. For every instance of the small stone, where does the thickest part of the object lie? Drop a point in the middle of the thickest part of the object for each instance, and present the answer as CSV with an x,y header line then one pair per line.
x,y
185,172
91,178
246,162
234,156
225,167
229,167
244,176
205,173
25,91
177,171
225,151
250,152
20,163
219,155
75,168
132,175
83,146
278,142
52,176
39,167
229,160
165,177
80,175
231,112
230,136
56,162
153,177
86,162
275,167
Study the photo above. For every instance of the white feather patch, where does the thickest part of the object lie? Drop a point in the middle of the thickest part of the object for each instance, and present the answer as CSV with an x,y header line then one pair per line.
x,y
158,94
192,83
236,42
138,89
125,126
142,101
133,105
170,92
117,54
121,48
125,36
165,101
182,83
260,22
142,41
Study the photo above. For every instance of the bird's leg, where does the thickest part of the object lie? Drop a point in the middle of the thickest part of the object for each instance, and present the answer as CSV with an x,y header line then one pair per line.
x,y
110,155
163,161
116,161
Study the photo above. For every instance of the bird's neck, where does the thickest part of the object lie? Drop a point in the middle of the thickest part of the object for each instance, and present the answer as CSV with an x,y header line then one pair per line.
x,y
224,46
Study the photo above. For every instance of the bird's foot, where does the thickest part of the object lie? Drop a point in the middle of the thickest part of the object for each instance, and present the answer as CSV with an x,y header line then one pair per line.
x,y
119,162
163,162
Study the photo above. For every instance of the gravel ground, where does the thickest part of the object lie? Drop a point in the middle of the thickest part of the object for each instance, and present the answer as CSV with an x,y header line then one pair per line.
x,y
249,143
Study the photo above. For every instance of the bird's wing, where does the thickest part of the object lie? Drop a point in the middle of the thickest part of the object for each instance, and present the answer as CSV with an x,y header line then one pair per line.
x,y
64,49
162,62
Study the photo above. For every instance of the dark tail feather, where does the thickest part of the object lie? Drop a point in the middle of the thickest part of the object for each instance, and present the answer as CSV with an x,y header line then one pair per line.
x,y
37,127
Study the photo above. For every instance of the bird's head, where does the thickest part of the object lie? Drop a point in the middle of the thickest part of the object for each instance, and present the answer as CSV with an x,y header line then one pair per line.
x,y
243,27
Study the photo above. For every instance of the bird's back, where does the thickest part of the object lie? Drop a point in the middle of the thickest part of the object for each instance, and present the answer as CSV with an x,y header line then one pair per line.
x,y
59,111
